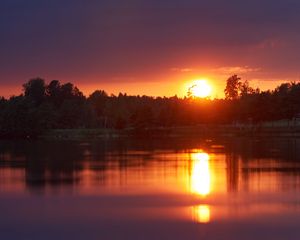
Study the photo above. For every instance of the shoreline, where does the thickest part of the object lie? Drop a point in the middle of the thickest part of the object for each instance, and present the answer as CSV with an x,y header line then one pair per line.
x,y
174,132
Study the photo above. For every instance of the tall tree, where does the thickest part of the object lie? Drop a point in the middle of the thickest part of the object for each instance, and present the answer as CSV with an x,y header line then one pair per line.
x,y
53,92
232,87
35,90
245,89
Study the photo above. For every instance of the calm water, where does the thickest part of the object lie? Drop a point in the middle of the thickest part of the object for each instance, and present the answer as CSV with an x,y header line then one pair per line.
x,y
158,189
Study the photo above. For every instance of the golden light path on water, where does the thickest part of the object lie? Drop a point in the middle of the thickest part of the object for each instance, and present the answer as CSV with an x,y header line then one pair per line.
x,y
201,184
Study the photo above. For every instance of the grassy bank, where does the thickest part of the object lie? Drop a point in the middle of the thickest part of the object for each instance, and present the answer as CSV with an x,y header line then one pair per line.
x,y
192,131
77,134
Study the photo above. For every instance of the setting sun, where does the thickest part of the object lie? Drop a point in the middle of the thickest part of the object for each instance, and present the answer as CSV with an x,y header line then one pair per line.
x,y
200,89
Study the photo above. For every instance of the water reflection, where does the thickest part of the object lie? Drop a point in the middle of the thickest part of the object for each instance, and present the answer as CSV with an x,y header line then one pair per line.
x,y
238,176
200,180
201,175
201,213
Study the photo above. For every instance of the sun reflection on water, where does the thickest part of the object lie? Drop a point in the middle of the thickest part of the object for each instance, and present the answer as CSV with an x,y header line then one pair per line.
x,y
200,176
201,213
200,184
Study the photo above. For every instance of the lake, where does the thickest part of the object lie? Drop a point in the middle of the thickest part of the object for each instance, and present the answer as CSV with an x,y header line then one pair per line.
x,y
228,188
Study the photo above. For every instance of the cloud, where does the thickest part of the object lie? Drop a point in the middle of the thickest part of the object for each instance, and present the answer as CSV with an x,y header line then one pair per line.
x,y
183,70
271,44
235,70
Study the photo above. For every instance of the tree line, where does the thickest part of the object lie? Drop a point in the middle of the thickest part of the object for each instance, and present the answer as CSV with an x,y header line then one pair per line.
x,y
55,105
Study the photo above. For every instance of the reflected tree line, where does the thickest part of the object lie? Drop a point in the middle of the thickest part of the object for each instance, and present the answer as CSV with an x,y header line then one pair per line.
x,y
50,164
44,106
246,158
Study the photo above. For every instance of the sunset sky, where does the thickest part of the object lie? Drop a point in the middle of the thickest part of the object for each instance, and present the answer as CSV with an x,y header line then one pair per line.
x,y
148,47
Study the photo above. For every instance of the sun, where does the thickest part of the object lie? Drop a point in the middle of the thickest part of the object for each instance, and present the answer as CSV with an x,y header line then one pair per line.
x,y
200,89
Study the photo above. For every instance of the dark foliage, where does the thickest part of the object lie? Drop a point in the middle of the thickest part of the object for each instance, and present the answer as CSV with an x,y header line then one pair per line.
x,y
62,106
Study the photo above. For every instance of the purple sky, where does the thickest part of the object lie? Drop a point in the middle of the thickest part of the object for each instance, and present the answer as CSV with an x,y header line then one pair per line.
x,y
122,45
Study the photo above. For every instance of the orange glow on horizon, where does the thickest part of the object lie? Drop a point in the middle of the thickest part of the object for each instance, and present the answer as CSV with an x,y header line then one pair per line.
x,y
157,87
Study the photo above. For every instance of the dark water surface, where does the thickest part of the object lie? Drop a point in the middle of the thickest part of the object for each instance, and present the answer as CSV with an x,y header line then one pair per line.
x,y
150,189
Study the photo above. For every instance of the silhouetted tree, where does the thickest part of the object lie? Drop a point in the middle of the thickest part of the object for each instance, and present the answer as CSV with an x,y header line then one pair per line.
x,y
69,91
16,119
54,93
35,90
232,87
57,105
245,89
